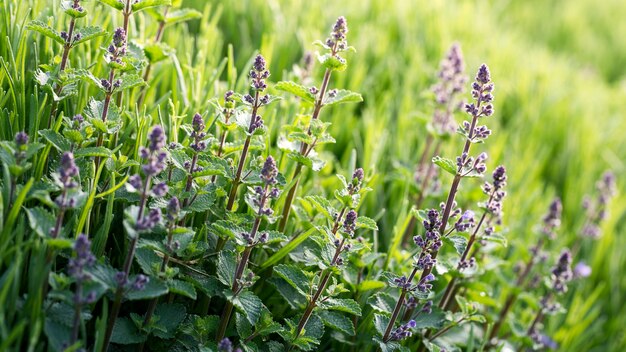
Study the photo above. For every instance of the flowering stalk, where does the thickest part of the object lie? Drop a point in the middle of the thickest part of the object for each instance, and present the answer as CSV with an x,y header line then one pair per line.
x,y
116,51
493,208
466,165
197,145
263,195
172,215
349,226
451,84
336,43
154,158
76,267
126,12
597,210
66,174
551,222
561,274
70,38
258,74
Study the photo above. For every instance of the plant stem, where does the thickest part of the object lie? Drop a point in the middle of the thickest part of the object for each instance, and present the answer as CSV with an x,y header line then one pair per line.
x,y
396,310
77,308
66,53
119,293
303,150
241,267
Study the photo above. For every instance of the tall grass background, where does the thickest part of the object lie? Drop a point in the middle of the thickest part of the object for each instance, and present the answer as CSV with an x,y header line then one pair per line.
x,y
560,112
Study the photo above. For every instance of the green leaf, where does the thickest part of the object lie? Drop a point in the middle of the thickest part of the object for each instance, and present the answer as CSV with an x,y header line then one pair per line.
x,y
323,205
295,277
182,15
332,63
153,289
247,303
88,33
343,96
182,288
337,321
46,30
363,222
459,243
288,248
368,285
56,139
380,323
446,164
382,302
169,317
296,89
130,81
102,152
346,305
41,221
149,261
125,332
292,296
156,52
116,4
435,320
144,4
310,161
227,264
202,203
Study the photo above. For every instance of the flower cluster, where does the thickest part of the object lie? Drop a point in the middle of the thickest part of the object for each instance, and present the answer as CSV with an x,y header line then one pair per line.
x,y
403,331
482,89
172,210
357,179
117,49
269,172
495,191
597,211
198,133
562,272
431,241
225,345
337,40
467,164
552,220
77,122
451,83
465,222
67,172
349,223
229,103
82,260
138,284
21,140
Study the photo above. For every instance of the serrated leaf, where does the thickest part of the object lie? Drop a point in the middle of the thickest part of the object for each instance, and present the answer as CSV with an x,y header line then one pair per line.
x,y
153,289
295,277
227,264
156,52
459,243
247,303
46,30
342,96
322,205
102,152
169,317
331,62
296,89
182,288
382,302
446,164
363,222
202,203
435,320
144,4
149,261
337,321
116,4
56,139
88,33
182,15
41,221
380,323
346,305
130,81
125,332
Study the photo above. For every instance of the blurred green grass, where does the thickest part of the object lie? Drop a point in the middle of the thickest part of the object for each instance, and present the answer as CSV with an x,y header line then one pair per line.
x,y
560,102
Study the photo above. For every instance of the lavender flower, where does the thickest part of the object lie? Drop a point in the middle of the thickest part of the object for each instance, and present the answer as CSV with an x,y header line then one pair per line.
x,y
82,260
140,282
150,221
117,49
349,224
68,171
562,272
21,139
225,345
581,270
552,220
451,83
259,73
337,42
198,133
173,209
597,210
403,331
357,180
431,241
482,89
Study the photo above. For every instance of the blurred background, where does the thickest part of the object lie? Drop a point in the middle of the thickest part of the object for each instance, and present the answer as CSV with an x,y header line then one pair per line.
x,y
560,73
559,68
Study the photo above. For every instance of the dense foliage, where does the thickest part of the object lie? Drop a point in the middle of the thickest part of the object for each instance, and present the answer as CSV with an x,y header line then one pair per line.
x,y
176,177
